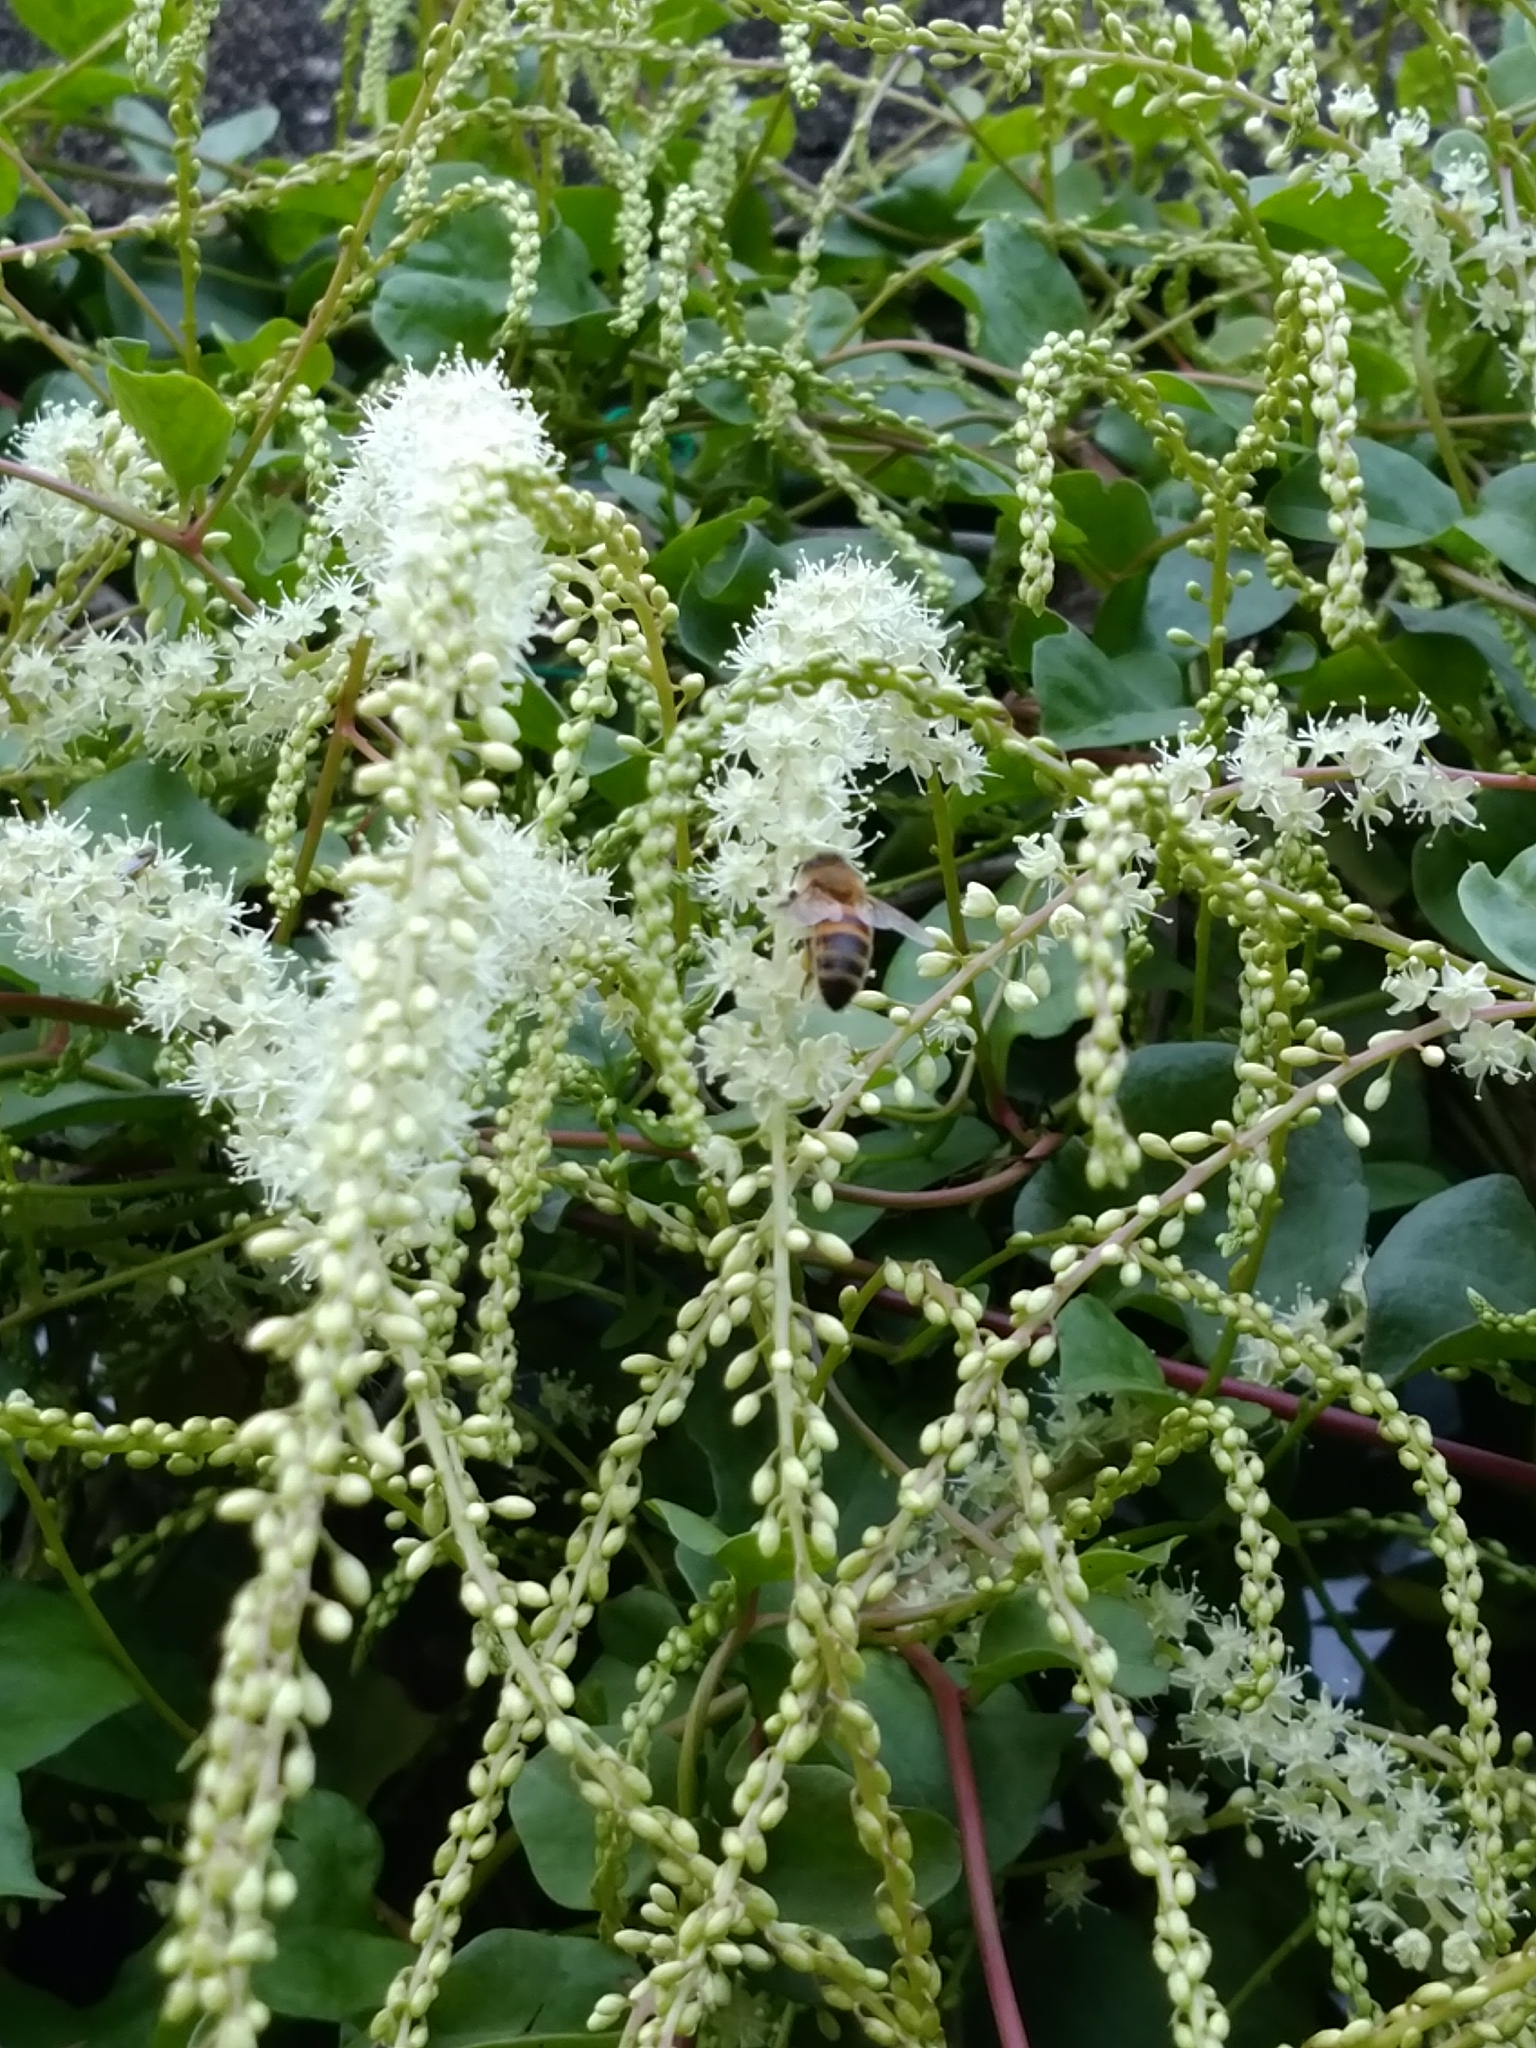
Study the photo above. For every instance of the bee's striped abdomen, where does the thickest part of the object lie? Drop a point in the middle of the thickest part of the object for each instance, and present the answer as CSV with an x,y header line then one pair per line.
x,y
840,955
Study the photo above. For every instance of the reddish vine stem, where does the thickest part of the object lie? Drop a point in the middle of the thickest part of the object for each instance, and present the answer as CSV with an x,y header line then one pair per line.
x,y
947,1700
877,1198
1516,1475
19,1002
343,734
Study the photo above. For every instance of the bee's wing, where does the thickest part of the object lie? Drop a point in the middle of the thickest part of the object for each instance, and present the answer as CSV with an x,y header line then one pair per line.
x,y
811,905
890,919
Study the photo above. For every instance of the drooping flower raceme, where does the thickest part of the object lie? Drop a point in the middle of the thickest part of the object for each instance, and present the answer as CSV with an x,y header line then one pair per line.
x,y
211,701
1331,1783
423,470
794,764
95,451
276,1054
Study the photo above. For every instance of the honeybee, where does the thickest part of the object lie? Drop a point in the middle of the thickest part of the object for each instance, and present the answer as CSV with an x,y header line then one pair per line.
x,y
829,895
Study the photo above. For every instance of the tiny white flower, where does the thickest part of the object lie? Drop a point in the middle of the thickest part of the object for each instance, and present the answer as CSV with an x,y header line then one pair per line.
x,y
1069,1891
1410,985
1461,993
1498,1051
428,469
1352,103
95,451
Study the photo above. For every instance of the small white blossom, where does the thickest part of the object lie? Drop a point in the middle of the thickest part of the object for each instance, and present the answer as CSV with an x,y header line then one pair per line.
x,y
1185,773
845,612
1462,992
1352,103
1042,858
792,781
1069,1891
1329,1782
1496,1051
1410,985
1264,759
431,462
94,451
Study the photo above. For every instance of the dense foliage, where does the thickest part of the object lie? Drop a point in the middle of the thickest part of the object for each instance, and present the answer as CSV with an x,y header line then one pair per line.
x,y
552,1480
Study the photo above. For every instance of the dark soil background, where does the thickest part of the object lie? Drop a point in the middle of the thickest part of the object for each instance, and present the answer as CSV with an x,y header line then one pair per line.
x,y
281,52
274,50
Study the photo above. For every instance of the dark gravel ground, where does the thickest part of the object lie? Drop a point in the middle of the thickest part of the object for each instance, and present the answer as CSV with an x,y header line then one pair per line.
x,y
280,51
274,50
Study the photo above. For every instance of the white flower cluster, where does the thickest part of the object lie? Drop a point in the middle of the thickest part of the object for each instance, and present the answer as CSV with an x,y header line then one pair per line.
x,y
431,461
282,1059
1381,762
95,451
1331,1783
1485,1048
478,951
106,908
1491,266
791,783
216,701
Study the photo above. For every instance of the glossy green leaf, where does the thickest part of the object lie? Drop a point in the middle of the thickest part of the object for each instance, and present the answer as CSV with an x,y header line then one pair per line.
x,y
332,1960
1354,223
559,1832
146,800
719,597
1406,505
1505,828
1016,1639
70,26
1015,1753
1512,76
701,541
522,1984
1480,1235
911,1745
1099,1355
1183,1085
125,2018
1319,1226
449,290
238,135
18,1874
1088,699
905,1157
695,1530
1475,626
1115,520
1501,909
237,293
318,364
1004,189
1504,519
79,1104
920,198
817,1871
56,1678
184,423
1251,608
566,290
1019,292
1399,1183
